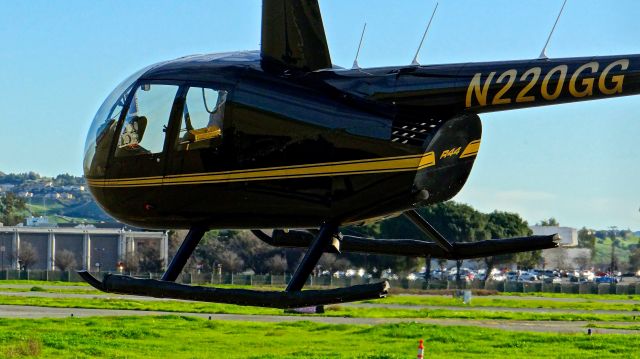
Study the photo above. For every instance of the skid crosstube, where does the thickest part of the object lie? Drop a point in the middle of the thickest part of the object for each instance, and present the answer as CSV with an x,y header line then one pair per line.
x,y
272,299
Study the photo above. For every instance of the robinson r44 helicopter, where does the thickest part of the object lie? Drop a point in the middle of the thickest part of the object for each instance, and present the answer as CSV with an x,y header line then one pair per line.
x,y
280,138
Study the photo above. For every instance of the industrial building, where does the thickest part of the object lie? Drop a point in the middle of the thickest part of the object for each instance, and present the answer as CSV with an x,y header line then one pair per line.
x,y
95,249
566,256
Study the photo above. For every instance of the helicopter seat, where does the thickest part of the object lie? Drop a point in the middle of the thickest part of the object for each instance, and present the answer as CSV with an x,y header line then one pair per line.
x,y
203,134
132,135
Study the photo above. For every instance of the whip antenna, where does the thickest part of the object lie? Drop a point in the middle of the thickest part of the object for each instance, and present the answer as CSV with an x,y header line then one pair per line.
x,y
355,62
543,54
415,58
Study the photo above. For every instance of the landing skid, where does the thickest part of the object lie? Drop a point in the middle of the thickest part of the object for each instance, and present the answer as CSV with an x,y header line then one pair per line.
x,y
272,299
292,297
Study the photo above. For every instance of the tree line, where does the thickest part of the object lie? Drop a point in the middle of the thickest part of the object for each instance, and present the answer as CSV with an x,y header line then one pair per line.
x,y
238,251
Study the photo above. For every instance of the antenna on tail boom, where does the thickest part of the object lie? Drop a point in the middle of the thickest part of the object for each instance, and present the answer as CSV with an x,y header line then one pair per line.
x,y
355,65
543,54
415,58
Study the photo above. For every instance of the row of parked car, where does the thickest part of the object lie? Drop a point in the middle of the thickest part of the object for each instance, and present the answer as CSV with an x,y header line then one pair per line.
x,y
497,275
534,275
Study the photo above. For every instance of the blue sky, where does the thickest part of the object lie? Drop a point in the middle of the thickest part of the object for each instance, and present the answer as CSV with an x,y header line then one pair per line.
x,y
576,162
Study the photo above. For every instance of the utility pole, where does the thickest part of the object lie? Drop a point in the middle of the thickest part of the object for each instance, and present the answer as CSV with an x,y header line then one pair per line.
x,y
613,248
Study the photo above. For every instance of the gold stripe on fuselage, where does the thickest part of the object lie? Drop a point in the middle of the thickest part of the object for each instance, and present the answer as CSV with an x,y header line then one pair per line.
x,y
377,165
471,150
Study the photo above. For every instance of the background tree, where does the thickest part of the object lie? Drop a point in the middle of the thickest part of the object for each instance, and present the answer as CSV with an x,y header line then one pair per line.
x,y
587,239
560,261
634,260
230,261
504,225
583,261
149,259
65,260
131,263
276,264
332,263
396,227
528,260
551,222
68,180
27,255
253,252
458,223
11,208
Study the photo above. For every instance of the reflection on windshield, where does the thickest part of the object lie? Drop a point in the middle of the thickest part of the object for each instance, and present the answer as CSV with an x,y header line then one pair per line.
x,y
103,127
143,131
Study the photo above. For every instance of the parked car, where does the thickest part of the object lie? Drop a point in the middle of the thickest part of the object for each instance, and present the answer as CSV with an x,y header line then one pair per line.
x,y
607,279
387,274
527,277
553,280
552,273
588,275
438,274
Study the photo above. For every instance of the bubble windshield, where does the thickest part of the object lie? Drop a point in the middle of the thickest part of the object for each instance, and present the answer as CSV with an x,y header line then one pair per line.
x,y
101,132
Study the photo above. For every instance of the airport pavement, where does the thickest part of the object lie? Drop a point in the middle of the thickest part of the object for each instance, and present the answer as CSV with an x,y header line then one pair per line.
x,y
32,312
492,309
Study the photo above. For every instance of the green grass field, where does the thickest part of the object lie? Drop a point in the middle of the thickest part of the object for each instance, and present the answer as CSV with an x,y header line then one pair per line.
x,y
186,337
42,282
506,303
191,337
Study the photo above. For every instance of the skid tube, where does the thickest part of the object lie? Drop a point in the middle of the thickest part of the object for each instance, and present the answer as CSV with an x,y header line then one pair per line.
x,y
121,284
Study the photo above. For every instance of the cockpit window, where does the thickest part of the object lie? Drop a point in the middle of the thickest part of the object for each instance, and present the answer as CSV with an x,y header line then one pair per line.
x,y
102,131
202,118
144,128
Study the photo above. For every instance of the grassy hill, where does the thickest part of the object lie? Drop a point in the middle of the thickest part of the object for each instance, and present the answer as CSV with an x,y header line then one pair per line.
x,y
622,252
81,210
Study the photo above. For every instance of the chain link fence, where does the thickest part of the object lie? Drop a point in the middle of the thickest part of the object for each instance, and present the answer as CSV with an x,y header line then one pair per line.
x,y
281,280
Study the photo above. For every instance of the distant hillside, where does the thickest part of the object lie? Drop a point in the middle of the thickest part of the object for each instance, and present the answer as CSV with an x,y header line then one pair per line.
x,y
64,195
88,209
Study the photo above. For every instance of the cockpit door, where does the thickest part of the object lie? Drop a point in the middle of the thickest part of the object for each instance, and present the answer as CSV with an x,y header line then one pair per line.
x,y
196,145
138,163
197,150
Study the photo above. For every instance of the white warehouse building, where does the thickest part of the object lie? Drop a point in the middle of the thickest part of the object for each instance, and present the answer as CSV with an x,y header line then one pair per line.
x,y
93,247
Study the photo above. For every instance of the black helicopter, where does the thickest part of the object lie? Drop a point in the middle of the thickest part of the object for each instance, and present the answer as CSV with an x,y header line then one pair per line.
x,y
282,139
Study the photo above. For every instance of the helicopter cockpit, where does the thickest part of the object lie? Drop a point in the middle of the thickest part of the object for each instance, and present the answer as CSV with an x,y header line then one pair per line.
x,y
142,122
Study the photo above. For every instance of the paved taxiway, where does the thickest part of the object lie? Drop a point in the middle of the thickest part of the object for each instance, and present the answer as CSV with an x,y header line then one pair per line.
x,y
31,312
